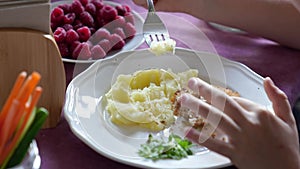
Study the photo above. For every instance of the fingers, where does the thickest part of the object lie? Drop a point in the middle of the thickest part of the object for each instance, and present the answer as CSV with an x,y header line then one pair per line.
x,y
254,112
213,144
218,99
248,105
211,114
279,100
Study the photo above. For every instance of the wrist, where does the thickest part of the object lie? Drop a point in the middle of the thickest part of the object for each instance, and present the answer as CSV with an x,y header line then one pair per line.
x,y
196,8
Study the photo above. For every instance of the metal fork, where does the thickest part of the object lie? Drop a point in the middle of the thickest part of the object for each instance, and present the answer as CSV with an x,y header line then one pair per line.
x,y
154,29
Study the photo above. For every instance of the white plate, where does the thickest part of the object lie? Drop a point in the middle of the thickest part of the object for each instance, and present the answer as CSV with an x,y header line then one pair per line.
x,y
85,107
132,44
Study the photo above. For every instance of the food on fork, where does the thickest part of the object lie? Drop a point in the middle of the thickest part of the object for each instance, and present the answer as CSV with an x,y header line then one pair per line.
x,y
79,26
162,47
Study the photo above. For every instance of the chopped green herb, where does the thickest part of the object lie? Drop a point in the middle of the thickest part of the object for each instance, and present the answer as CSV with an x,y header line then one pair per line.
x,y
174,148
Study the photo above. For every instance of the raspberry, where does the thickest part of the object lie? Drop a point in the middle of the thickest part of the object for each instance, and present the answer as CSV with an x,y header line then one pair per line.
x,y
108,13
99,19
93,30
59,34
89,43
69,18
119,22
85,52
87,19
91,8
116,41
53,26
73,45
74,23
122,9
97,52
129,30
98,4
100,34
63,49
120,32
105,44
77,24
71,36
67,27
128,9
129,17
84,2
77,7
84,33
65,7
57,15
77,51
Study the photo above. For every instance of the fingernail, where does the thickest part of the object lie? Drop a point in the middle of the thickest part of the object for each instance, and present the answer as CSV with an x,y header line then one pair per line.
x,y
192,84
182,98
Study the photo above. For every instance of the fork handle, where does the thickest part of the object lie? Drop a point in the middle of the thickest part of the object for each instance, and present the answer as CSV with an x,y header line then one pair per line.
x,y
150,6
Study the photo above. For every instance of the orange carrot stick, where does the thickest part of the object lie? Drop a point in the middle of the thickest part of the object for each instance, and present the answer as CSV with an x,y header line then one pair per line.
x,y
7,124
35,97
14,92
9,147
23,97
28,87
18,115
29,109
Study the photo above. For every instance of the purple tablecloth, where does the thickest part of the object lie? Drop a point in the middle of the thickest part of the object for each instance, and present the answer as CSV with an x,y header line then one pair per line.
x,y
60,148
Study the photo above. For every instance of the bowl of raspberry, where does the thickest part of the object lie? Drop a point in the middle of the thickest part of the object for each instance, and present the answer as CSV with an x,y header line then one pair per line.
x,y
88,30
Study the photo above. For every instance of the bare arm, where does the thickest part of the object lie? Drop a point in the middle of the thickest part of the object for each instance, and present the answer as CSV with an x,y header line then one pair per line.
x,y
278,20
275,20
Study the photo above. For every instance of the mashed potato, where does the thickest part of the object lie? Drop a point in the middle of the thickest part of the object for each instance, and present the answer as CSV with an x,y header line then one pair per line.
x,y
143,98
162,47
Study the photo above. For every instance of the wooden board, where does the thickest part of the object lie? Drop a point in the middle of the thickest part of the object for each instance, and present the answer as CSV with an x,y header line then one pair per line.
x,y
28,50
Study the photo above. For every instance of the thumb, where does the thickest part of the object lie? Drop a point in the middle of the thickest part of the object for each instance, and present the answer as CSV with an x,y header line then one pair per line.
x,y
279,100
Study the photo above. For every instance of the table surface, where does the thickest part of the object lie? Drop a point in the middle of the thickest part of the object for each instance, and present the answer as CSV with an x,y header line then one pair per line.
x,y
60,148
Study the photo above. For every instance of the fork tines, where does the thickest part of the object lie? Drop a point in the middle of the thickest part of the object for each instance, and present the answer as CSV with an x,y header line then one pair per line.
x,y
155,37
154,29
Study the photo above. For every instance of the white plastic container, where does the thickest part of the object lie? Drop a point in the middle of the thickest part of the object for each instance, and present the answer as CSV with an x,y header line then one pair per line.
x,y
32,159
